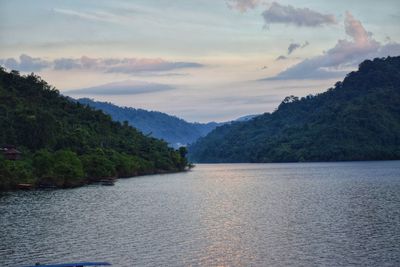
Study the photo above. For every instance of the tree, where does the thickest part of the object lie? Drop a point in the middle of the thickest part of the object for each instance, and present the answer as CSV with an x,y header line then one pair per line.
x,y
68,168
96,165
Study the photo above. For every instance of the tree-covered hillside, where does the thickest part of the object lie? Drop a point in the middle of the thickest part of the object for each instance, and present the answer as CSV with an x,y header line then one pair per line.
x,y
65,143
175,131
358,119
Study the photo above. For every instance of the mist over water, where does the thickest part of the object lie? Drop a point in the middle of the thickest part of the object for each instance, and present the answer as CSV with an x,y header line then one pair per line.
x,y
300,214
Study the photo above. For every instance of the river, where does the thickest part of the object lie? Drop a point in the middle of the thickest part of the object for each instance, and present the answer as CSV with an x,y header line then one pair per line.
x,y
293,214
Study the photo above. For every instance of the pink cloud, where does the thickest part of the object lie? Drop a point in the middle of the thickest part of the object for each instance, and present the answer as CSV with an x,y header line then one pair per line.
x,y
346,53
301,17
243,5
121,65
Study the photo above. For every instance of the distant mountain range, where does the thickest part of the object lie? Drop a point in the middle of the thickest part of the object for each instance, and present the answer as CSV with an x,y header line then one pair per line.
x,y
177,132
246,118
358,119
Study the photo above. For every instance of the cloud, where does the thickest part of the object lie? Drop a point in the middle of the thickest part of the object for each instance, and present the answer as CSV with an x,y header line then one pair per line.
x,y
143,65
121,88
96,16
345,54
243,5
282,57
66,64
301,17
78,14
294,46
114,65
25,63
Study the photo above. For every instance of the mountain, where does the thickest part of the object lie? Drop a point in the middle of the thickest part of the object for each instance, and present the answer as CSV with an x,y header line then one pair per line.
x,y
246,118
65,143
357,119
177,132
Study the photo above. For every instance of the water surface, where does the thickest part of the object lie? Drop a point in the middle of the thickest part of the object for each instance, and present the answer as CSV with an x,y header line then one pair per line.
x,y
301,214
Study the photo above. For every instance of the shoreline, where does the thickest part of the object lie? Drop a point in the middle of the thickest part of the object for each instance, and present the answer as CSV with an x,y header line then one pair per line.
x,y
33,187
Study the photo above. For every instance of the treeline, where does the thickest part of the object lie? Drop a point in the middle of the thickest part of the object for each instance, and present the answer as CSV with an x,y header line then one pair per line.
x,y
65,143
357,119
173,130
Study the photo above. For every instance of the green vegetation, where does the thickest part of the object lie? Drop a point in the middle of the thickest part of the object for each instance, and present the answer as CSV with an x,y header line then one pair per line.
x,y
67,144
358,119
175,131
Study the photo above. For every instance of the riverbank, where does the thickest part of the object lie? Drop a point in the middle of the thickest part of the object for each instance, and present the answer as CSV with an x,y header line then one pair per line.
x,y
90,181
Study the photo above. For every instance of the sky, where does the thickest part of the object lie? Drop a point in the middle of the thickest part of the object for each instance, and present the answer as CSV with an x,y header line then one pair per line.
x,y
201,60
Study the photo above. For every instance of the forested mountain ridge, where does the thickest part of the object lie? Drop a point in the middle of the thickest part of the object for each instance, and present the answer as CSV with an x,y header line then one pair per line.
x,y
65,143
177,132
357,119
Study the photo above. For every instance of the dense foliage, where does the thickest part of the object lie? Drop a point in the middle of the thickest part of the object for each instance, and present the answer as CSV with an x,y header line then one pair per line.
x,y
65,143
175,131
358,119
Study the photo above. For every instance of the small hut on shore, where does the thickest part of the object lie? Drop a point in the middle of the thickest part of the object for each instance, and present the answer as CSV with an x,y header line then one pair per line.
x,y
10,152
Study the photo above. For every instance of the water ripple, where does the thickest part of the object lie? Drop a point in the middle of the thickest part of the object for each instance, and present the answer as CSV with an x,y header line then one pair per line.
x,y
312,214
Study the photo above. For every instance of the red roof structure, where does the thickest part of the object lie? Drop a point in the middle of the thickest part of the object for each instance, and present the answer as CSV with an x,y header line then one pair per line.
x,y
11,153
